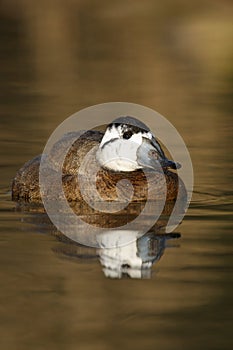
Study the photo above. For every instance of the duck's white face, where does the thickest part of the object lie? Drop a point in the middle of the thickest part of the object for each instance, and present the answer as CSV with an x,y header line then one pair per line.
x,y
129,147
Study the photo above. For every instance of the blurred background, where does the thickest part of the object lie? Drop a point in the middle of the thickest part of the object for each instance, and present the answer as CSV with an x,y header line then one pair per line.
x,y
176,57
58,57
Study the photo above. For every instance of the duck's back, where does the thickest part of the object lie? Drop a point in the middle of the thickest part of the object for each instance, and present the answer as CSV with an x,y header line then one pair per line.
x,y
25,185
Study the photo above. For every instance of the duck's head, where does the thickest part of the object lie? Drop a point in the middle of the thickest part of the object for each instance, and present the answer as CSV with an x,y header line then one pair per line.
x,y
128,145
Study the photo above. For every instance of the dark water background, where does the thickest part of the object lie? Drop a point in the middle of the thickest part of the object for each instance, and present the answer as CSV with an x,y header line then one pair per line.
x,y
57,57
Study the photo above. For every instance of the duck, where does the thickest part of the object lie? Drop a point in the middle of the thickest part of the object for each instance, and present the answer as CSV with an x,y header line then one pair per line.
x,y
124,150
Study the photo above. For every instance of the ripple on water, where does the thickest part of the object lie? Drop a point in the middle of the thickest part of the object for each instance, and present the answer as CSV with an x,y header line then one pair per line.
x,y
211,203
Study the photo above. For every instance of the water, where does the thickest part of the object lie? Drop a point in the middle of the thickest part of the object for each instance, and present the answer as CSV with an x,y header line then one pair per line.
x,y
57,58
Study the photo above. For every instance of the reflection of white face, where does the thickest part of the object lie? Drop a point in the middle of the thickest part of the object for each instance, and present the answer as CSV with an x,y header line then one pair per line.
x,y
122,259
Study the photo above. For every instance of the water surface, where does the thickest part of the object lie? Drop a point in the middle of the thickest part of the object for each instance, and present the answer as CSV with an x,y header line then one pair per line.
x,y
56,58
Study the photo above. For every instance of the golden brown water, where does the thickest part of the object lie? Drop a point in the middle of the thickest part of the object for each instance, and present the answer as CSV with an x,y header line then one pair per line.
x,y
175,57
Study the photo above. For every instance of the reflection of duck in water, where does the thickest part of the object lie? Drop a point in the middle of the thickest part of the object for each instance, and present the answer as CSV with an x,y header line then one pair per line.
x,y
134,260
124,151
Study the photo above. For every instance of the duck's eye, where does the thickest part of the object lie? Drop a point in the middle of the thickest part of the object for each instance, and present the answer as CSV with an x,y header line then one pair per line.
x,y
127,135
